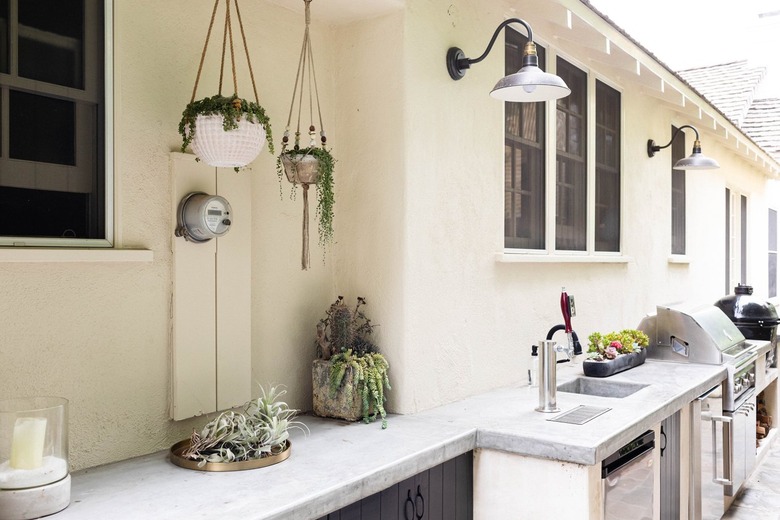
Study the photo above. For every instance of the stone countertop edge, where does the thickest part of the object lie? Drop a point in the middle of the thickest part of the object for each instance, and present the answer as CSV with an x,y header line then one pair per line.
x,y
347,492
631,416
340,463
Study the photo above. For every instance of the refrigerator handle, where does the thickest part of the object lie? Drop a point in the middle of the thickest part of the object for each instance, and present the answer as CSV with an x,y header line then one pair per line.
x,y
728,450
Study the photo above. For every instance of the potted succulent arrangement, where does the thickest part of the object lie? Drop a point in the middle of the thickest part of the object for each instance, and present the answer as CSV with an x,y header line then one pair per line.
x,y
225,131
615,352
349,377
256,437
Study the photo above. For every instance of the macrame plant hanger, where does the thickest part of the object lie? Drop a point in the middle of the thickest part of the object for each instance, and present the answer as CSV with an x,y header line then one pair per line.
x,y
227,36
305,74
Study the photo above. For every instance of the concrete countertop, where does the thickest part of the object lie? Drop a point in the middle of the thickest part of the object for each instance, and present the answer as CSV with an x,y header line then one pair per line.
x,y
339,463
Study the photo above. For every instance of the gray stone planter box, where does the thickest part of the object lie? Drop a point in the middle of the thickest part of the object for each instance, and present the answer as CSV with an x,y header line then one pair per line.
x,y
339,406
610,367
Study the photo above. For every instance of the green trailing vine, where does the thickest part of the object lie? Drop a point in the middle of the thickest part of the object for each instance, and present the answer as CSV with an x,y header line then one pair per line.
x,y
231,109
370,376
325,195
342,338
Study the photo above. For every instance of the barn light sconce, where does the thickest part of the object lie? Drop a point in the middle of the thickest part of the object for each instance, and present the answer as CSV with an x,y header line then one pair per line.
x,y
696,161
529,84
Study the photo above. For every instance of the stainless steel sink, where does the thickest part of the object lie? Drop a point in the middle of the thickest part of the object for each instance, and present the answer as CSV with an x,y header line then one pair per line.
x,y
599,387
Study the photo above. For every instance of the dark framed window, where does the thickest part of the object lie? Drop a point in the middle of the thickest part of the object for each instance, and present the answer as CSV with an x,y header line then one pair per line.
x,y
524,159
772,246
607,168
678,195
52,133
736,239
728,241
571,189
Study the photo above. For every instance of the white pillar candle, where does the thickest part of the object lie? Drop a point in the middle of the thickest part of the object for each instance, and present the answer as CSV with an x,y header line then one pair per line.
x,y
28,441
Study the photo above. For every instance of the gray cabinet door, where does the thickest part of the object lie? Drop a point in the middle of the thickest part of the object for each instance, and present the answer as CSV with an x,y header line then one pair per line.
x,y
443,492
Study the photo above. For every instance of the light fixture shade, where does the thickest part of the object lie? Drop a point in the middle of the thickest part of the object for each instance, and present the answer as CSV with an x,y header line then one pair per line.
x,y
530,84
696,161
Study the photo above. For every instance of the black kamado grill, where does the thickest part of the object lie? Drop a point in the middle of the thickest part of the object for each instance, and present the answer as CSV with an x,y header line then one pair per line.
x,y
755,318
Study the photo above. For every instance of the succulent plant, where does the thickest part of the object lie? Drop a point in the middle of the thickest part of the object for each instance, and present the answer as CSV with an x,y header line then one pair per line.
x,y
262,429
342,337
344,329
613,344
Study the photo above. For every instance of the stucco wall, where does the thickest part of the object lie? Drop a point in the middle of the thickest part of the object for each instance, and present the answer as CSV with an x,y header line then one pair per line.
x,y
419,220
98,334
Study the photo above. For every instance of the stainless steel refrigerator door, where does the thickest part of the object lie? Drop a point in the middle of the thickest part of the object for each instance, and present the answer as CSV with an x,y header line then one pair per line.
x,y
628,492
711,449
743,421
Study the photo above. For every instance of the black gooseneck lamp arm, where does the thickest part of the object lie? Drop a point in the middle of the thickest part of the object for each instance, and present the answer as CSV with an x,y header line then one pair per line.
x,y
652,147
458,63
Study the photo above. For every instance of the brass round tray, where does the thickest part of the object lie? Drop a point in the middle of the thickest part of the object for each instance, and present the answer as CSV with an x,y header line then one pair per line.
x,y
178,449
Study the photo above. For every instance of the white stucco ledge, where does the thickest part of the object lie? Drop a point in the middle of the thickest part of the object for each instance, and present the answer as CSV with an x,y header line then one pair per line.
x,y
679,259
511,258
69,255
339,463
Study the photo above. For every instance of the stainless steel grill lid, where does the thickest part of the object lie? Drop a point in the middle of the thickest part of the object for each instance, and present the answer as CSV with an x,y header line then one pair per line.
x,y
693,334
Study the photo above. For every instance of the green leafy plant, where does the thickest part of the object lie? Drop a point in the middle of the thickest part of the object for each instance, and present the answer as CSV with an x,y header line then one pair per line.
x,y
325,195
613,344
342,337
261,430
231,109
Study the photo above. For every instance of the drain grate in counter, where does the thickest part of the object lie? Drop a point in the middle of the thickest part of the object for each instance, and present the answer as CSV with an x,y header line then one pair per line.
x,y
580,415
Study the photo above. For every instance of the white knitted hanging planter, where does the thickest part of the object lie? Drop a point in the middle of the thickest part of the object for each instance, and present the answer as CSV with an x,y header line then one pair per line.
x,y
225,131
227,148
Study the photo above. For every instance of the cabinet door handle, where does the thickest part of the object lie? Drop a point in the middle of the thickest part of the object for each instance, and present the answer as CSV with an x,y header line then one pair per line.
x,y
728,451
663,434
419,514
409,504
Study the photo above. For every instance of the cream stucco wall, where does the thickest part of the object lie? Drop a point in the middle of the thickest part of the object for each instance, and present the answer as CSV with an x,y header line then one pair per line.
x,y
419,219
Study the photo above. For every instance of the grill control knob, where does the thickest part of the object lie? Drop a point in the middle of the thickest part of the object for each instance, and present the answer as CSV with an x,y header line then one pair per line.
x,y
752,377
737,387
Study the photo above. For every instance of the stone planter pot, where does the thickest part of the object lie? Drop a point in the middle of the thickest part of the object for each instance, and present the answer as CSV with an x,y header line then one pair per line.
x,y
341,406
610,367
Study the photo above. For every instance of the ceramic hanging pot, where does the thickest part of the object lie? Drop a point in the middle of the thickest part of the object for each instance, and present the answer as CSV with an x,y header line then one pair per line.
x,y
301,168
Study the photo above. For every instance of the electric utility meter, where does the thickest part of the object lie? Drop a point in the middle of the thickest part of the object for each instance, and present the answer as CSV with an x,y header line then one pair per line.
x,y
203,217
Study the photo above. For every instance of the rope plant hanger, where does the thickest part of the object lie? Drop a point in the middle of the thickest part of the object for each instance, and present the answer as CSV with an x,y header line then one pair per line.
x,y
225,130
311,164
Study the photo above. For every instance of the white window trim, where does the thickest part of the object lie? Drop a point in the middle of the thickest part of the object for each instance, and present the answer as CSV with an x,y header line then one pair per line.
x,y
108,104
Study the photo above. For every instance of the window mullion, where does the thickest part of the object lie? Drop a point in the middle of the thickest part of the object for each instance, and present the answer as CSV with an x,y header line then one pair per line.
x,y
13,38
590,165
551,127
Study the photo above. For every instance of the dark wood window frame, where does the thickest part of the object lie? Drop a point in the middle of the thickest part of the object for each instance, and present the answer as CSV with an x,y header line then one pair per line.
x,y
524,160
68,184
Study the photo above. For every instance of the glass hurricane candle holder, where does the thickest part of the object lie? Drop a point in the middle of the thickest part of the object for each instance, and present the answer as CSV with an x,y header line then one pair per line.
x,y
33,457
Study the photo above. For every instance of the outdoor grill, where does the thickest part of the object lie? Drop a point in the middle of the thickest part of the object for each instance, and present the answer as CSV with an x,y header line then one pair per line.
x,y
756,319
723,446
685,333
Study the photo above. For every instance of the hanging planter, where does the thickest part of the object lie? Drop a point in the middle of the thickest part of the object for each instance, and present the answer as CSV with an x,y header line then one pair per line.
x,y
312,164
225,131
